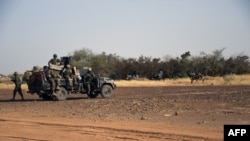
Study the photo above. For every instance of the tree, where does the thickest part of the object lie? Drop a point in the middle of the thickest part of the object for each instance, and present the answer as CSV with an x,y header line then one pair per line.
x,y
215,63
111,65
237,65
82,58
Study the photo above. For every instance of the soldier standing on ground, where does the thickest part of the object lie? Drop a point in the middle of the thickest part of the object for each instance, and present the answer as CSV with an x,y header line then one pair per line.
x,y
78,78
67,74
18,84
88,78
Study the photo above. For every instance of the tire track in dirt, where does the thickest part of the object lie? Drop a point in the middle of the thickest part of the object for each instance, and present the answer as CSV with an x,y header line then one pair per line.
x,y
92,131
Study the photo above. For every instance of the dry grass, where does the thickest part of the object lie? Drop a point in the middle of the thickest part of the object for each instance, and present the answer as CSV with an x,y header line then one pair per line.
x,y
4,85
208,81
12,86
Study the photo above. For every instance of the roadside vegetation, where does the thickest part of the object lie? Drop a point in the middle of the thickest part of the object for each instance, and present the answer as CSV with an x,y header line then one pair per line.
x,y
116,67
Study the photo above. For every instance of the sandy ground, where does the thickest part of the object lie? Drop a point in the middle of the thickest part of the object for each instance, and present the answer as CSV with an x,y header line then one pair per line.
x,y
193,113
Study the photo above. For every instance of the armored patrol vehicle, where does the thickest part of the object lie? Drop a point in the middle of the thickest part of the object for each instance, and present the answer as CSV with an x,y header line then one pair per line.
x,y
38,83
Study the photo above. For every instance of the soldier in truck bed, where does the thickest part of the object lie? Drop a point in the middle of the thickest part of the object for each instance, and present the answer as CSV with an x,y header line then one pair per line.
x,y
54,60
52,76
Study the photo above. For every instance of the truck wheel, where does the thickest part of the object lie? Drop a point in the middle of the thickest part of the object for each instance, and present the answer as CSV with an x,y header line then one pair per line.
x,y
106,91
46,97
93,94
61,94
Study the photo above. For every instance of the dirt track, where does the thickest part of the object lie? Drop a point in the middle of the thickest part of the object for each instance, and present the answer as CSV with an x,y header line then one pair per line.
x,y
140,114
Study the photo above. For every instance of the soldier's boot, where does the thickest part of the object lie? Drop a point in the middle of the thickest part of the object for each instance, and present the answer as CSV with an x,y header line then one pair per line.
x,y
21,94
53,93
14,95
22,98
88,95
72,87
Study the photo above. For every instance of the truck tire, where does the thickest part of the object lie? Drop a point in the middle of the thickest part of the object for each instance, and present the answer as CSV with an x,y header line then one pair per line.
x,y
106,91
93,94
46,97
61,94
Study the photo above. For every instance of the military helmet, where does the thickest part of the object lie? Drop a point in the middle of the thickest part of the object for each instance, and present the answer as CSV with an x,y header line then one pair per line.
x,y
55,55
15,73
35,68
45,68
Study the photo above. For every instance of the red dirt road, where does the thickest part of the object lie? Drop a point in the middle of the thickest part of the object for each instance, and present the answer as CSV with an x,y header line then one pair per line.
x,y
138,114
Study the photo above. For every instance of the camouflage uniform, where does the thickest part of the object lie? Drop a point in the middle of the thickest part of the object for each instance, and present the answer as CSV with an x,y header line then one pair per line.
x,y
77,80
88,79
32,79
54,60
67,74
18,88
52,77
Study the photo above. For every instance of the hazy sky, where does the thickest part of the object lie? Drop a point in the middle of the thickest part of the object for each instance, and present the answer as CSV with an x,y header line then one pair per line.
x,y
31,31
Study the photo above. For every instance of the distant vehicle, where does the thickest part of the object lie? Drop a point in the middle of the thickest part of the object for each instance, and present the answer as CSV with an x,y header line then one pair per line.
x,y
38,83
